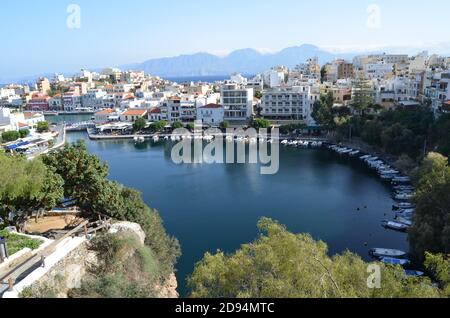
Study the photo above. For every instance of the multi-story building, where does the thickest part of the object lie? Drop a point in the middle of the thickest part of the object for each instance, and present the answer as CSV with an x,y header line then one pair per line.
x,y
71,101
237,101
131,115
43,85
38,102
287,103
211,114
93,98
55,103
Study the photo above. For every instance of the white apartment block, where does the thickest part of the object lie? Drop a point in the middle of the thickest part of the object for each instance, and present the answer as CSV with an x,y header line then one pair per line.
x,y
378,70
94,98
290,103
71,101
237,101
211,114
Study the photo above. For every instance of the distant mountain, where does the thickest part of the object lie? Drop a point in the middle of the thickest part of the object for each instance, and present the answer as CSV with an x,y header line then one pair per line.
x,y
246,61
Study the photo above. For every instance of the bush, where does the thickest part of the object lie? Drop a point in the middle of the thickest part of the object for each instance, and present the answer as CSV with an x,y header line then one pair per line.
x,y
10,136
42,127
177,125
16,242
125,269
23,133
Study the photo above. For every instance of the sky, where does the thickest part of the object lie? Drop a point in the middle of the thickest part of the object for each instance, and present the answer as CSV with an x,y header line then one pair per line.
x,y
46,36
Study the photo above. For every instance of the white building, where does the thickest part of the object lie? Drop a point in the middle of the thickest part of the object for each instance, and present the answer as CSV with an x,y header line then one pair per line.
x,y
237,101
211,114
289,103
378,70
238,79
93,99
131,115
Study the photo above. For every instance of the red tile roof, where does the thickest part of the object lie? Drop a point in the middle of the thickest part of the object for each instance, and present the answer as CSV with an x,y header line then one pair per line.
x,y
155,111
135,112
104,112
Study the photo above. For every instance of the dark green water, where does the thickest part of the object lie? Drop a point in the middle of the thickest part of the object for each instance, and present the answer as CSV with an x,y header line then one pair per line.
x,y
68,118
210,207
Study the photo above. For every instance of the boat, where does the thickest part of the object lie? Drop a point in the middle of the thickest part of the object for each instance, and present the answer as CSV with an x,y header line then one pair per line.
x,y
404,187
406,221
364,157
414,273
166,138
354,153
405,214
284,142
403,196
403,205
401,180
394,261
139,140
155,138
396,226
386,252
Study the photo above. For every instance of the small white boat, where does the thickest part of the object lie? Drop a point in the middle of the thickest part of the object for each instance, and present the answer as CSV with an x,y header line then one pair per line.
x,y
404,196
403,205
405,221
401,180
403,214
139,140
364,157
173,138
155,138
166,138
354,153
284,142
396,226
386,252
394,261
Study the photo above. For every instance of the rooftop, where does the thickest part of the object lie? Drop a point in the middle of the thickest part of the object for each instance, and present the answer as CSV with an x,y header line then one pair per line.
x,y
135,112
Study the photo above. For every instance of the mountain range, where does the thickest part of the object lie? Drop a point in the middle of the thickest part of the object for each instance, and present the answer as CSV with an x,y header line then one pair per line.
x,y
245,61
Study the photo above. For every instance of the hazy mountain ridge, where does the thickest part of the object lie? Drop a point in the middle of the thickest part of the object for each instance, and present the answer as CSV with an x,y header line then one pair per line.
x,y
246,61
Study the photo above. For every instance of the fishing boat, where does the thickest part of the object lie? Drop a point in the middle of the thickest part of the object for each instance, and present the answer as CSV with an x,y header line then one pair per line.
x,y
385,252
406,221
139,140
394,261
403,205
396,226
414,273
403,196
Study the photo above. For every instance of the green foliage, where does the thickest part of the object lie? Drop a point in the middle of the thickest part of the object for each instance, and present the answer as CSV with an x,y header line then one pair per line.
x,y
83,174
363,96
372,132
158,126
322,111
124,270
431,226
224,125
27,186
16,242
282,264
258,94
86,183
441,134
287,129
42,127
23,133
177,125
9,136
260,123
190,126
405,164
439,266
139,124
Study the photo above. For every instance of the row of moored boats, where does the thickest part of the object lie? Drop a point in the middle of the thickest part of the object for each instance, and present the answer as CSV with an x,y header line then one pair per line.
x,y
403,209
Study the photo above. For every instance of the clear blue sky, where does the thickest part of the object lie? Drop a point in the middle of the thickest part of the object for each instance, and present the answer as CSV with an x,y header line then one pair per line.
x,y
36,39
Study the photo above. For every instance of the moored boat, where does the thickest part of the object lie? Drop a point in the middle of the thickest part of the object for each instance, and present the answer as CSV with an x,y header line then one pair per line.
x,y
396,226
386,252
395,261
414,273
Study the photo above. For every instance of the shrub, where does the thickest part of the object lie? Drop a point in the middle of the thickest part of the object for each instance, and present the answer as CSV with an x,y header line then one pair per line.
x,y
10,136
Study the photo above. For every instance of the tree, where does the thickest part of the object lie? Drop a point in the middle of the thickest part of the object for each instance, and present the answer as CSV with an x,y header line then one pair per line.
x,y
177,125
158,126
190,126
280,264
441,134
431,227
83,174
372,132
322,111
25,187
9,136
439,267
23,133
42,127
139,124
363,96
224,125
258,94
260,123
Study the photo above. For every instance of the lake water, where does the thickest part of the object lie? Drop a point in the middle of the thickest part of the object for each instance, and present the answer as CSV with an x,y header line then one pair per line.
x,y
211,207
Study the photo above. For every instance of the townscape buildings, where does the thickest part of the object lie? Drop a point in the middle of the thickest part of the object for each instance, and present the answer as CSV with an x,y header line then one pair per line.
x,y
281,94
